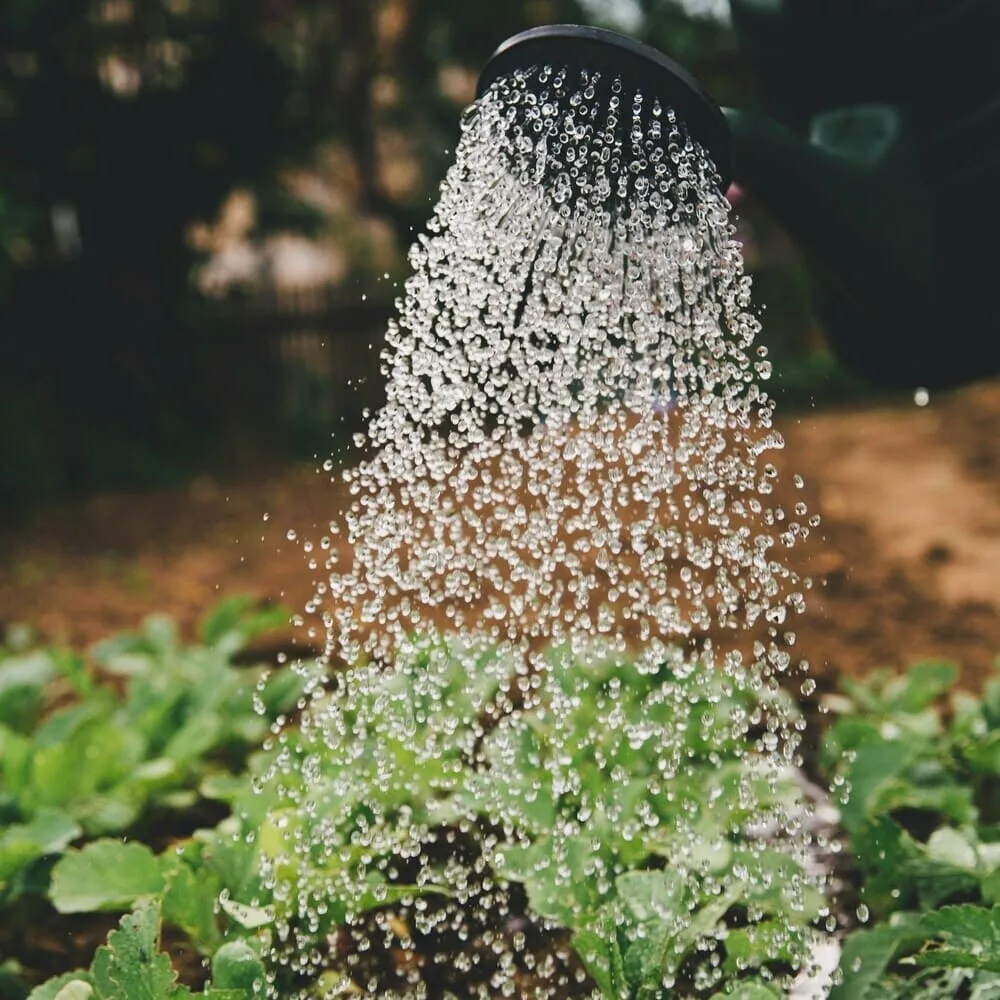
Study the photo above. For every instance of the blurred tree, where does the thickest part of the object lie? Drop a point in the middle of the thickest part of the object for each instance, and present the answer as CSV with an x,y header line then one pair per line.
x,y
123,122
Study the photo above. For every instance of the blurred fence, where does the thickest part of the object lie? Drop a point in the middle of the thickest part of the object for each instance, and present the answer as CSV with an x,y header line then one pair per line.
x,y
301,357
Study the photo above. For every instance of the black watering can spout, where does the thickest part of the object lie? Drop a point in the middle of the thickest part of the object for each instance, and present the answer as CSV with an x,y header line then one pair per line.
x,y
851,196
881,157
879,153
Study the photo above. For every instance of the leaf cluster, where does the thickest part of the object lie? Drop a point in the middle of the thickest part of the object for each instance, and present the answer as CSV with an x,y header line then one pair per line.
x,y
625,799
918,762
620,797
132,966
99,762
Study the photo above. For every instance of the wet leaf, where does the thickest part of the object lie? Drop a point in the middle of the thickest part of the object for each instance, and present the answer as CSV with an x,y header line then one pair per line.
x,y
970,938
189,902
875,764
105,875
867,954
131,966
64,987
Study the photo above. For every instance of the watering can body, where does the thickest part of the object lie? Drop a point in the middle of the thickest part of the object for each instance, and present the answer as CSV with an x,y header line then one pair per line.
x,y
879,152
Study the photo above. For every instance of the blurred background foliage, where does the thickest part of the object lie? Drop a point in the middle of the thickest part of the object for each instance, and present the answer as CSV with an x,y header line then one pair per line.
x,y
205,207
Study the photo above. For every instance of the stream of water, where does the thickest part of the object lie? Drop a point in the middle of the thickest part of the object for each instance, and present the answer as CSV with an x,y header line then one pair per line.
x,y
564,540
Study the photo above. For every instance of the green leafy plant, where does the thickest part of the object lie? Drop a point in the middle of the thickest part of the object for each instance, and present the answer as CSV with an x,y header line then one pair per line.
x,y
625,817
650,782
443,749
131,966
918,762
448,782
99,764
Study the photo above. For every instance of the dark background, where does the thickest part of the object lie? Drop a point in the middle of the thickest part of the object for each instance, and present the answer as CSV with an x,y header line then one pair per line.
x,y
204,212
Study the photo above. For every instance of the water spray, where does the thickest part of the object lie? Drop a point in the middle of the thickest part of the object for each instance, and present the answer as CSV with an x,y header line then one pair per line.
x,y
883,176
639,67
568,604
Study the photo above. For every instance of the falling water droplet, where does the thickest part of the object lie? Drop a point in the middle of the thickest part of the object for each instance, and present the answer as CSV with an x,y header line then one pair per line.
x,y
564,547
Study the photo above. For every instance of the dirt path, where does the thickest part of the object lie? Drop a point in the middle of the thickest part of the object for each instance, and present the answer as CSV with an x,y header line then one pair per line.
x,y
906,562
908,559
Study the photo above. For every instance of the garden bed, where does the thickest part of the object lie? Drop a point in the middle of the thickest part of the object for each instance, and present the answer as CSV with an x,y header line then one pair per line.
x,y
904,570
117,799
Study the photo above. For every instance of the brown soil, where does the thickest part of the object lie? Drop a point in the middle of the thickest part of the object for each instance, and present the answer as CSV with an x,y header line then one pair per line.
x,y
906,563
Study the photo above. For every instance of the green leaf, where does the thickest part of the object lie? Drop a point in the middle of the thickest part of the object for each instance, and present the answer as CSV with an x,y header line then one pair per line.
x,y
105,875
662,904
867,954
156,707
990,887
377,892
884,852
551,892
60,988
250,917
926,789
925,683
102,815
952,847
991,701
189,902
16,753
196,737
937,882
126,655
34,669
12,985
928,984
955,958
983,753
984,985
224,787
91,760
131,966
73,668
22,686
643,961
231,859
601,954
762,943
79,989
971,938
223,618
874,765
654,895
67,723
236,966
281,690
161,633
234,621
50,832
846,734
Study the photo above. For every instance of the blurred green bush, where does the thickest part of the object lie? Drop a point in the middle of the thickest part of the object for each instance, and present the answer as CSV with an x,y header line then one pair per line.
x,y
125,125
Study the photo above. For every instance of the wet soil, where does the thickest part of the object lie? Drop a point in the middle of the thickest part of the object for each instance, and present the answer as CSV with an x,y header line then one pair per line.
x,y
906,562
